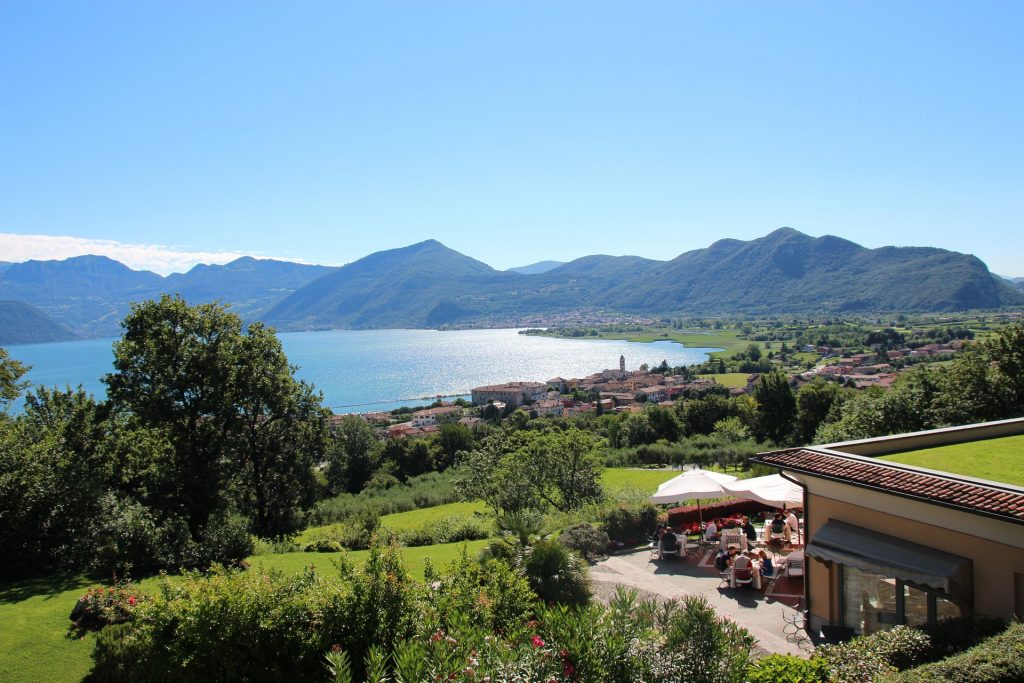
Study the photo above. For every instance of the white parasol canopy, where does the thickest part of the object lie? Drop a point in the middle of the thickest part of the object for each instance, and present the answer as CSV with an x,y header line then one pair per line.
x,y
693,485
770,490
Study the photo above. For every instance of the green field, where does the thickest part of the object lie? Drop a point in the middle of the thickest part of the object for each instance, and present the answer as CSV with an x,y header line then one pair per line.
x,y
996,459
618,478
34,642
729,379
413,519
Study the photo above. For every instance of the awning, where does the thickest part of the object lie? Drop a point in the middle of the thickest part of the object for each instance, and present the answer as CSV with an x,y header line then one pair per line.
x,y
867,550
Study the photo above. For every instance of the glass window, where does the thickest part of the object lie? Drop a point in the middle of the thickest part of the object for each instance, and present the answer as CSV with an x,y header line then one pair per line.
x,y
944,607
915,606
875,602
869,601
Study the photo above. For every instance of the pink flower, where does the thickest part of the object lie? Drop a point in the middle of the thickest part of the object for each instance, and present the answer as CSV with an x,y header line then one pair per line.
x,y
537,642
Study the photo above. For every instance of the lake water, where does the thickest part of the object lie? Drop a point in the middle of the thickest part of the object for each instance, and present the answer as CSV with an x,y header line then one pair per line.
x,y
364,370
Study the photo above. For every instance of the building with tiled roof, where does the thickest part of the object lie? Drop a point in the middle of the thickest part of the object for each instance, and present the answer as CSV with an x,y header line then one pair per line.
x,y
892,543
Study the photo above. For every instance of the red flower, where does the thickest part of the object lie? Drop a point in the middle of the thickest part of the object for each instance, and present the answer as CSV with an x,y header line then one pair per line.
x,y
537,642
568,670
131,599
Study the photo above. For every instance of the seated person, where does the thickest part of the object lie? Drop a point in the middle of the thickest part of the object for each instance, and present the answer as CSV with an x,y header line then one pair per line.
x,y
793,523
711,531
669,543
749,529
779,526
743,569
767,568
722,561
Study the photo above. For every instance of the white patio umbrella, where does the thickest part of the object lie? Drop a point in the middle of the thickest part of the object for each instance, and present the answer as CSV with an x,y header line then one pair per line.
x,y
770,490
693,485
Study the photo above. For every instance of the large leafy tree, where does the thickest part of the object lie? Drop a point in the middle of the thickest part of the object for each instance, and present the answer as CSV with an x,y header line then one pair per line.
x,y
814,402
776,406
228,402
11,383
353,457
281,435
530,470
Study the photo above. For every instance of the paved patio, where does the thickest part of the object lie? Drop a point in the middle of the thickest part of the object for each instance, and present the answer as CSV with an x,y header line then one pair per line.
x,y
760,613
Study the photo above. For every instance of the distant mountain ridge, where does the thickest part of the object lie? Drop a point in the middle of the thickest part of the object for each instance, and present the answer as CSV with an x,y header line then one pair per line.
x,y
21,323
784,272
537,268
429,285
92,294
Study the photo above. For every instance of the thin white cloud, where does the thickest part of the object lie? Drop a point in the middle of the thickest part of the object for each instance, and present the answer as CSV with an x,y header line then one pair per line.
x,y
156,257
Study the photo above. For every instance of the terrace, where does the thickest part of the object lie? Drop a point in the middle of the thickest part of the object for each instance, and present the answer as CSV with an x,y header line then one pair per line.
x,y
762,612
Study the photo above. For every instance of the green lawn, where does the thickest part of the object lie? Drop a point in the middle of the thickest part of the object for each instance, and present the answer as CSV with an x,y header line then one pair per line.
x,y
413,519
34,646
729,379
619,478
996,459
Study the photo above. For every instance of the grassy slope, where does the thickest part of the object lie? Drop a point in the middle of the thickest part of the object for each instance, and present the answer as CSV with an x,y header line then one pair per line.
x,y
729,379
618,478
995,459
726,340
34,614
414,519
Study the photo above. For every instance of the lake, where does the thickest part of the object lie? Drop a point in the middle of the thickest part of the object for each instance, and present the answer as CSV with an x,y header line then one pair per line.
x,y
364,370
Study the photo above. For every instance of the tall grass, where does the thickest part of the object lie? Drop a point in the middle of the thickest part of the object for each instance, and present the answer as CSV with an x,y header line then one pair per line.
x,y
427,490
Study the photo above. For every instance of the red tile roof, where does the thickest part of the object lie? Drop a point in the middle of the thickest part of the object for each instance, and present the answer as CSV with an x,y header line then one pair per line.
x,y
991,500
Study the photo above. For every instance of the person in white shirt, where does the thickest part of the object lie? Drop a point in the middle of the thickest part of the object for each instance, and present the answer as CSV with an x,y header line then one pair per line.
x,y
711,531
793,524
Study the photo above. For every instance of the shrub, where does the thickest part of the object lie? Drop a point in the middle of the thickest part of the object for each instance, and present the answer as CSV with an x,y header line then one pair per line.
x,y
586,540
556,575
682,516
225,540
427,490
1000,659
489,594
870,657
102,606
954,635
630,525
231,625
323,545
788,669
273,546
124,537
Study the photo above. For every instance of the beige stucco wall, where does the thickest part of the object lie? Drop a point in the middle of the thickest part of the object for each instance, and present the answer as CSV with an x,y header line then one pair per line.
x,y
998,552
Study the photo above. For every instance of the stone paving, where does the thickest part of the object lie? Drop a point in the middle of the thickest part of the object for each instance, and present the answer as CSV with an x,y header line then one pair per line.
x,y
759,613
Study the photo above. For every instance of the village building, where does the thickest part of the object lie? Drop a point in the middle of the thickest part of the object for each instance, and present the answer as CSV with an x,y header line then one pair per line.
x,y
896,544
514,393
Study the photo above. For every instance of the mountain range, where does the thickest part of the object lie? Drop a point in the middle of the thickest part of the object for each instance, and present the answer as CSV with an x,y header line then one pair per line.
x,y
429,285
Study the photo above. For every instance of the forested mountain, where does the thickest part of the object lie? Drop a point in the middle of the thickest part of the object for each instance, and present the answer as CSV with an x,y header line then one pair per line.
x,y
536,268
430,285
88,294
784,272
92,294
248,284
21,323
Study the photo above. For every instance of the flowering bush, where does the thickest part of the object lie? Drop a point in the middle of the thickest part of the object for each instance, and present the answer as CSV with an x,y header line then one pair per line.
x,y
102,606
589,542
374,623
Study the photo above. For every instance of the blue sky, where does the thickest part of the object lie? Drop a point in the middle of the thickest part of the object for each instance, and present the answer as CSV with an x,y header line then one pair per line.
x,y
512,132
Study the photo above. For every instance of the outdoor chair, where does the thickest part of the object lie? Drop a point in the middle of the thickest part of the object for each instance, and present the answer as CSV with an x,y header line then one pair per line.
x,y
768,580
794,624
668,550
743,577
795,566
691,547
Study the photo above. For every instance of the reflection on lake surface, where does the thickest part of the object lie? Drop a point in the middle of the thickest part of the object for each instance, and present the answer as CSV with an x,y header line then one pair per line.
x,y
362,370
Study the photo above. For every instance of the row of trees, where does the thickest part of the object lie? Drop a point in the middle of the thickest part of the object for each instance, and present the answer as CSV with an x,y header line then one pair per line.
x,y
206,435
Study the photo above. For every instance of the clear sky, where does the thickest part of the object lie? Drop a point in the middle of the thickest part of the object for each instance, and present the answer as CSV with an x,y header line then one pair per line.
x,y
175,131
